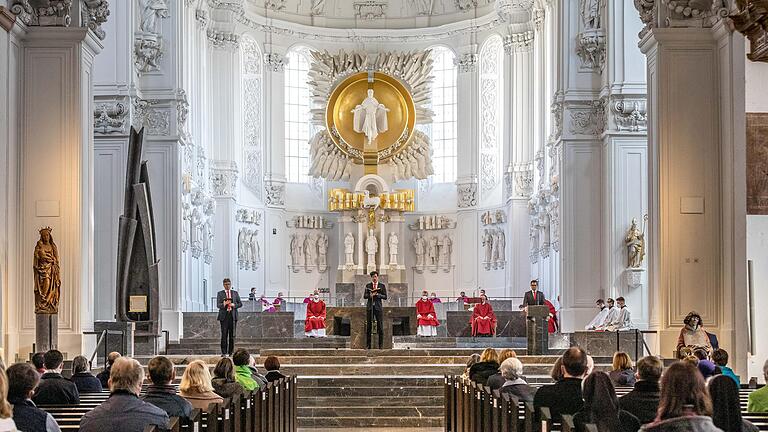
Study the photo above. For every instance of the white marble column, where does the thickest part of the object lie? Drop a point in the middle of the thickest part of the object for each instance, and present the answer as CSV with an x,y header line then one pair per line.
x,y
697,178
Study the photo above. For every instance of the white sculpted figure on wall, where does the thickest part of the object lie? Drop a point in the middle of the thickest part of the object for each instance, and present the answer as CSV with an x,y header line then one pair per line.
x,y
310,248
322,252
151,11
254,251
370,117
371,247
487,246
297,250
635,243
590,13
349,249
432,250
421,248
392,244
446,247
499,255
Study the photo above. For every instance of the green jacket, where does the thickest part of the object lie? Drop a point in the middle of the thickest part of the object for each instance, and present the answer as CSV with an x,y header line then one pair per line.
x,y
758,401
243,376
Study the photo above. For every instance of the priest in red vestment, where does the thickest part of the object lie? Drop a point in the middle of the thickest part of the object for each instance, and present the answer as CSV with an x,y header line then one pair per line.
x,y
426,316
314,325
483,319
552,318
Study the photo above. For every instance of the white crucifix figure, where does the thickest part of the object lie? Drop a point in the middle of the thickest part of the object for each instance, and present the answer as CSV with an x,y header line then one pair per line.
x,y
370,118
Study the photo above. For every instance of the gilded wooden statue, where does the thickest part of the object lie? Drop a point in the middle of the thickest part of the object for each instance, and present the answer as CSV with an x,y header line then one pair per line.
x,y
47,274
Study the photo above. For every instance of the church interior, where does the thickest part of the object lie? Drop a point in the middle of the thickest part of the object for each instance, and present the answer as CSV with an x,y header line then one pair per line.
x,y
154,151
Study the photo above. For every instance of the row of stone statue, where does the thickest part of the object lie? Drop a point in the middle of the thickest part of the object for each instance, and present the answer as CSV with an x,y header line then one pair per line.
x,y
309,250
494,243
248,249
437,251
371,248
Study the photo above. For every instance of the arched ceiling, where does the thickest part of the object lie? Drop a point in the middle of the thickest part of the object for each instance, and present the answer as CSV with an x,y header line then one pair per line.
x,y
372,14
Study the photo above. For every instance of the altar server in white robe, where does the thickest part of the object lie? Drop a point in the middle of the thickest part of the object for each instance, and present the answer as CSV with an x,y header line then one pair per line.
x,y
623,320
599,319
613,313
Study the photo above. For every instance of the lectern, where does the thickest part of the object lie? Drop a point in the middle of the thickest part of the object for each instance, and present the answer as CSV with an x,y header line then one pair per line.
x,y
536,330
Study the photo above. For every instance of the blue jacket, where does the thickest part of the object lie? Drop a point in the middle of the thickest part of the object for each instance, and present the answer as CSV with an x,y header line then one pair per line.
x,y
123,412
730,373
165,397
86,382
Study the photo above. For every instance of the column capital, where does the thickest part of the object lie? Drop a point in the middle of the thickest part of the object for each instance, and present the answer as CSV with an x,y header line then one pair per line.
x,y
222,39
467,62
751,20
466,192
275,62
223,177
678,13
274,193
518,42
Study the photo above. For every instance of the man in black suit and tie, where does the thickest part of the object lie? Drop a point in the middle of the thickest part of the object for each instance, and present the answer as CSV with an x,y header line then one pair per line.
x,y
228,301
375,292
534,297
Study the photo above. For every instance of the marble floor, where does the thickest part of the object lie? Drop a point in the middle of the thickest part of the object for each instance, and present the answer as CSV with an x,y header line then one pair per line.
x,y
392,429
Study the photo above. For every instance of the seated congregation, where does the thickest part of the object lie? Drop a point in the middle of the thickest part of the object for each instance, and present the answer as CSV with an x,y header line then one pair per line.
x,y
696,394
36,397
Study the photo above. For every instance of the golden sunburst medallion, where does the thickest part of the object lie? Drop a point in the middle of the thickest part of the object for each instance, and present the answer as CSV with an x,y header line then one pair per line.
x,y
401,117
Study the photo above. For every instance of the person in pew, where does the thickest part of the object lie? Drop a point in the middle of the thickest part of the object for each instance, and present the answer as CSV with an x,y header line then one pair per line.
x,y
22,380
272,365
82,376
6,411
556,373
38,360
600,317
54,389
483,319
471,361
758,399
622,374
196,386
224,383
601,407
684,404
720,357
162,393
314,324
487,366
426,317
643,400
726,407
123,411
103,376
564,397
255,374
241,358
515,384
497,380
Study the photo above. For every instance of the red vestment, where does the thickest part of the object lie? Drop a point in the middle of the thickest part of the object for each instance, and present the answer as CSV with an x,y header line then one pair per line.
x,y
315,316
424,308
552,321
483,319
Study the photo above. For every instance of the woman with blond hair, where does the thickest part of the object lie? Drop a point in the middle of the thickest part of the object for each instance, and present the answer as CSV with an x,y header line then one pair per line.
x,y
196,386
622,374
6,421
487,366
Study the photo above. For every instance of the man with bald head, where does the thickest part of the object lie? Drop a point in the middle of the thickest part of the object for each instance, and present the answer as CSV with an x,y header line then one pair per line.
x,y
124,411
564,396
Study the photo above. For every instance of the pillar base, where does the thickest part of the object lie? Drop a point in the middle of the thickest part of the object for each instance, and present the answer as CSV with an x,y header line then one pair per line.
x,y
46,332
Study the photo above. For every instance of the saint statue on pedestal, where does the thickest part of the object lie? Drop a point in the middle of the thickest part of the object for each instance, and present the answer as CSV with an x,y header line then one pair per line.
x,y
47,274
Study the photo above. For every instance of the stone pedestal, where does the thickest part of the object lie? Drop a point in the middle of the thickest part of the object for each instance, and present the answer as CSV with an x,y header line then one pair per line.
x,y
356,316
46,332
602,343
508,323
536,330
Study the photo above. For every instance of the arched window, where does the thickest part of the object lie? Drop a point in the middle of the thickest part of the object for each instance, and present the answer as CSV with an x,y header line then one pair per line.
x,y
252,127
298,129
442,131
491,111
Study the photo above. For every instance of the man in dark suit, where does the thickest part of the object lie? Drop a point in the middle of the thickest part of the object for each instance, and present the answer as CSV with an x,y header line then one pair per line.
x,y
54,389
228,301
375,292
534,297
564,396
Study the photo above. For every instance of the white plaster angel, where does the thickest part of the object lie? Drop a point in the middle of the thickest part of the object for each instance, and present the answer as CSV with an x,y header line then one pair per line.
x,y
392,244
151,11
370,117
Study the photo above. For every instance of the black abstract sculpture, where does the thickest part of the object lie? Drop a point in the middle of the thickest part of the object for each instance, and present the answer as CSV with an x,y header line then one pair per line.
x,y
138,295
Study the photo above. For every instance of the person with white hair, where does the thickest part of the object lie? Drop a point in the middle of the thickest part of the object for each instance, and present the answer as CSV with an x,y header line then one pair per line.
x,y
758,399
124,411
512,371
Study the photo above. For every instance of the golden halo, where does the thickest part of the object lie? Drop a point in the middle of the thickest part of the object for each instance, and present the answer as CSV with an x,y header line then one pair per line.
x,y
389,91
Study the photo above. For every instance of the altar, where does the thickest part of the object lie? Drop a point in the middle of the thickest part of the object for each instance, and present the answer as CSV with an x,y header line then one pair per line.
x,y
350,321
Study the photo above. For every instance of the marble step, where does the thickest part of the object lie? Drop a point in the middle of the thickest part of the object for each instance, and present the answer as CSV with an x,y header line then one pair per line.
x,y
321,393
406,399
415,352
370,422
370,381
370,411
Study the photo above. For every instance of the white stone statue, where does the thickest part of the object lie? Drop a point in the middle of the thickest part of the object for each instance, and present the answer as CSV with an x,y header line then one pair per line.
x,y
297,249
590,13
254,249
322,251
488,245
241,247
635,243
392,244
151,11
432,252
420,246
370,117
310,248
371,247
499,242
446,245
349,249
